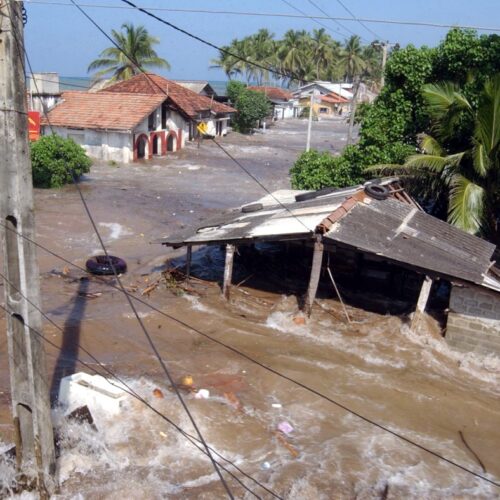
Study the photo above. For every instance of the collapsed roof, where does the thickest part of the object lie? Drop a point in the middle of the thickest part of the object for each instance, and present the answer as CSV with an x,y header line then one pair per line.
x,y
393,227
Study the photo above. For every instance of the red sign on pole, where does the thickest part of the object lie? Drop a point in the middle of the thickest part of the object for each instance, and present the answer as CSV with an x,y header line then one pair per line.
x,y
34,125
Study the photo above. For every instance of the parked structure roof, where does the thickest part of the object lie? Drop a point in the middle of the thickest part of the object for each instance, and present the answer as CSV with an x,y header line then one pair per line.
x,y
186,101
394,229
341,89
102,110
274,93
198,86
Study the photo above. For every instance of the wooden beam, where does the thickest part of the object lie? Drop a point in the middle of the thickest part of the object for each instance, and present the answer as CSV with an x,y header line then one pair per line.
x,y
315,274
228,271
189,252
422,301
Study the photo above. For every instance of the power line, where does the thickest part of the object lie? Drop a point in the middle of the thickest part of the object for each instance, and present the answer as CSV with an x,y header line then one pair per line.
x,y
129,390
286,2
273,14
359,21
157,354
270,368
314,4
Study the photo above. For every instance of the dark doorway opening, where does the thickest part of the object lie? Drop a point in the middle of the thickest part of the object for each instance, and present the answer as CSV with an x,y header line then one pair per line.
x,y
170,142
141,148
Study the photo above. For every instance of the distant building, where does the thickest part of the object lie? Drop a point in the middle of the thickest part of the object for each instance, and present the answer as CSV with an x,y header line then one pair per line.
x,y
43,91
198,86
193,108
142,117
283,101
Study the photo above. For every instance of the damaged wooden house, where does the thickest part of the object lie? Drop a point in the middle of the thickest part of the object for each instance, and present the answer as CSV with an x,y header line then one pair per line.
x,y
377,222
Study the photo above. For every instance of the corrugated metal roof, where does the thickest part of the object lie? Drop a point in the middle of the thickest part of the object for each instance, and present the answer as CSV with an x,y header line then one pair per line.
x,y
401,233
392,229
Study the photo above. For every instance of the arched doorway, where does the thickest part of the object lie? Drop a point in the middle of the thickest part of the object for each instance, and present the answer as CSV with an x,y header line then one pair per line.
x,y
142,147
170,141
156,145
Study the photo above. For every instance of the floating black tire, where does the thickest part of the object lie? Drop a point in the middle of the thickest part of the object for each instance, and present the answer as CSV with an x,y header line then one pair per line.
x,y
377,192
254,207
103,266
315,194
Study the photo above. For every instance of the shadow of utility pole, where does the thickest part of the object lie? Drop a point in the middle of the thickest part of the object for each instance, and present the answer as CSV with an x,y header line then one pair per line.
x,y
67,359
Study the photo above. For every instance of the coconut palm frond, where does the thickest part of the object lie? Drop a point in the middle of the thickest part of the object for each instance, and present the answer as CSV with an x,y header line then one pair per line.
x,y
466,205
430,146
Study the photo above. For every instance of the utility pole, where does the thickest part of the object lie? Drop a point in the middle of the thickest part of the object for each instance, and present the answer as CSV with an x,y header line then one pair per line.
x,y
385,46
315,98
309,123
354,100
35,455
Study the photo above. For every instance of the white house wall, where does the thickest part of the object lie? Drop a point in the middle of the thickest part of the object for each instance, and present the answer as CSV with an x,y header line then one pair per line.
x,y
99,144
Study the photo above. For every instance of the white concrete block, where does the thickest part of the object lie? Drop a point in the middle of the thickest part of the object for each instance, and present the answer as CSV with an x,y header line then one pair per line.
x,y
94,391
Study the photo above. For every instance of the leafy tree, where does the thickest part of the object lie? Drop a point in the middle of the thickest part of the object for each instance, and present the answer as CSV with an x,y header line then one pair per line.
x,y
465,171
55,160
315,170
252,107
137,44
301,55
234,89
351,59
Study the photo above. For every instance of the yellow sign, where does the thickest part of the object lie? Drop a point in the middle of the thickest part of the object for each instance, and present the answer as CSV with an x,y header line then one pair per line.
x,y
202,128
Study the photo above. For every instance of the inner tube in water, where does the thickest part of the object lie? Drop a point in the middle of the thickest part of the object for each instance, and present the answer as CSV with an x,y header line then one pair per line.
x,y
103,266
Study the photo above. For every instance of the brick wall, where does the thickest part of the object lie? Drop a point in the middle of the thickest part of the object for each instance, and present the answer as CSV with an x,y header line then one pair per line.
x,y
474,320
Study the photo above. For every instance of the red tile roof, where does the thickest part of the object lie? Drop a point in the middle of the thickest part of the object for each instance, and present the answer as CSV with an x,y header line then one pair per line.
x,y
102,110
333,98
275,93
187,101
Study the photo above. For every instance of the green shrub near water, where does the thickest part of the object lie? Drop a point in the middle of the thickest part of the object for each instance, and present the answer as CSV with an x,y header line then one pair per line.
x,y
53,158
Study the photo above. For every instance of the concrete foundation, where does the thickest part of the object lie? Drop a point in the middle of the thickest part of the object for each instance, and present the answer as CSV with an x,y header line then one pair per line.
x,y
474,320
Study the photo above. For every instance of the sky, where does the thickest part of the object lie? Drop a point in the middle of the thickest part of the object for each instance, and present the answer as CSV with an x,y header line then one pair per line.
x,y
60,39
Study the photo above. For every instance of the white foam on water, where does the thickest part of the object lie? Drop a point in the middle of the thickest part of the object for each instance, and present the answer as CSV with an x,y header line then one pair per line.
x,y
196,304
116,230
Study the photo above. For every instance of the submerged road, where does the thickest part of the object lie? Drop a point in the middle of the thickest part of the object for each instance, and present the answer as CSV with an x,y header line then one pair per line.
x,y
414,384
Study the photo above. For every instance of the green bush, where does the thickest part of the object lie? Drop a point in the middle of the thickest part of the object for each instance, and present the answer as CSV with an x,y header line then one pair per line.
x,y
54,159
315,170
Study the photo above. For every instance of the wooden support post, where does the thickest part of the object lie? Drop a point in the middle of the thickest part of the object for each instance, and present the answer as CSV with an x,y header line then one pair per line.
x,y
29,388
189,253
228,271
315,274
422,301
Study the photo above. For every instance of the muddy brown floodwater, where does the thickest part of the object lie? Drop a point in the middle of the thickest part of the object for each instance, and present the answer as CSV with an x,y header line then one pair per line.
x,y
412,383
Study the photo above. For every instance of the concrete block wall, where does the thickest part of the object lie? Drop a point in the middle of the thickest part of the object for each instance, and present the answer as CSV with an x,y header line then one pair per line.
x,y
474,320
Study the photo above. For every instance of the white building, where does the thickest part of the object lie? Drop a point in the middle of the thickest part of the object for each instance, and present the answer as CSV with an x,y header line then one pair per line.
x,y
139,118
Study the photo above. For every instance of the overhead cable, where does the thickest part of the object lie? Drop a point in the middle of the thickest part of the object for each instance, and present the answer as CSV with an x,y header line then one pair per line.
x,y
270,369
23,53
274,14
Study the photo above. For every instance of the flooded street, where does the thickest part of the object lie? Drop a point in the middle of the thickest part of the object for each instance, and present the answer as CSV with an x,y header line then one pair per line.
x,y
412,384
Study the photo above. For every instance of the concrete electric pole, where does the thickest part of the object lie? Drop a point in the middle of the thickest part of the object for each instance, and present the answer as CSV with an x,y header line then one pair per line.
x,y
35,456
385,46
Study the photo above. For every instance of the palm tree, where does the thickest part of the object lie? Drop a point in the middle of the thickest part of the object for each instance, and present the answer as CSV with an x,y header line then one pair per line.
x,y
351,59
466,166
323,52
137,44
293,52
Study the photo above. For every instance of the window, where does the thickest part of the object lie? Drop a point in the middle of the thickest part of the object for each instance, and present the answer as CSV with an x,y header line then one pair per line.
x,y
323,110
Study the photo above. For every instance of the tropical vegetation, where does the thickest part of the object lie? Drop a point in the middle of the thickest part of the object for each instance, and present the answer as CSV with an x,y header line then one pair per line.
x,y
460,162
251,106
405,120
57,161
132,54
298,57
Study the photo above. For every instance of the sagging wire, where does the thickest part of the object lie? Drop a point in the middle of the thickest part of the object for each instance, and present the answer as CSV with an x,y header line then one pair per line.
x,y
280,374
129,389
149,339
